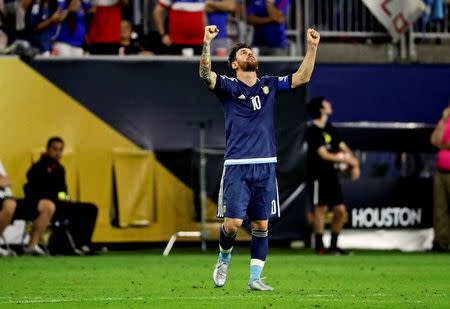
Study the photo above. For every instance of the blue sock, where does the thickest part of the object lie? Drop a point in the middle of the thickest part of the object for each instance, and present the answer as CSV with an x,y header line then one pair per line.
x,y
225,255
256,267
226,242
258,250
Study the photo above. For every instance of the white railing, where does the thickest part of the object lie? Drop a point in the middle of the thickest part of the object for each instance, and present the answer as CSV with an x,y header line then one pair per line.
x,y
341,18
351,19
336,20
294,28
433,29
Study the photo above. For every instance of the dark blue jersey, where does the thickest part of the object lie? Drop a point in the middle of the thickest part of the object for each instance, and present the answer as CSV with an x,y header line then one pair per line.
x,y
249,112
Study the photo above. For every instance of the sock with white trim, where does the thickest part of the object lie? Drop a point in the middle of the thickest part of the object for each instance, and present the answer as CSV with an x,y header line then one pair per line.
x,y
258,250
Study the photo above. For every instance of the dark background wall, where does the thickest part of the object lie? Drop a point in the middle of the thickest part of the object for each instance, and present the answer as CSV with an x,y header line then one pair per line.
x,y
384,92
158,105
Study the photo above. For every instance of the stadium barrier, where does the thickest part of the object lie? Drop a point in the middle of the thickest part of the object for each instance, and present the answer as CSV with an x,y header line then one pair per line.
x,y
100,104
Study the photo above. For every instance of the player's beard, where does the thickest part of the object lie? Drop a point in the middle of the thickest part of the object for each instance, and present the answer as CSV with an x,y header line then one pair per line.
x,y
250,65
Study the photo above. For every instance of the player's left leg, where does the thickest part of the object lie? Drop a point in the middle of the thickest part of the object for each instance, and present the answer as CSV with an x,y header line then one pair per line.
x,y
340,215
263,205
258,250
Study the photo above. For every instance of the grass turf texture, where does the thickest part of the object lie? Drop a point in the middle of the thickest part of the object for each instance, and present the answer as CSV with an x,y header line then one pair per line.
x,y
184,280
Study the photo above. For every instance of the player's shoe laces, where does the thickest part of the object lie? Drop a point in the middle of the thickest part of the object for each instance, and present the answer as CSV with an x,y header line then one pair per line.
x,y
258,285
220,273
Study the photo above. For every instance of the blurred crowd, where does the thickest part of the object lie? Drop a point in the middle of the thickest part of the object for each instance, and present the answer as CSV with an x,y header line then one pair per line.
x,y
105,27
174,27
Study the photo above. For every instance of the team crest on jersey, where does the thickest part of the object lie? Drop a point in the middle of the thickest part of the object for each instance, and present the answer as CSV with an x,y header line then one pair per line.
x,y
265,90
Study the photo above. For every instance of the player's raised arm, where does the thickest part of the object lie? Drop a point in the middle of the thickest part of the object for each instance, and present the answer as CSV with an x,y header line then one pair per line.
x,y
208,76
304,72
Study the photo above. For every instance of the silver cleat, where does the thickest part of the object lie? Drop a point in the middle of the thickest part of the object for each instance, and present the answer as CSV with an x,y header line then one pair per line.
x,y
258,285
220,273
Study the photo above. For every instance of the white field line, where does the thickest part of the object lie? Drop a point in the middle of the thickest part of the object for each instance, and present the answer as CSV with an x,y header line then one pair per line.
x,y
39,300
243,297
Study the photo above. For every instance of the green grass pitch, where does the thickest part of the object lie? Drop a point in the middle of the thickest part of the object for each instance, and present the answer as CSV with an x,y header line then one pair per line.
x,y
184,280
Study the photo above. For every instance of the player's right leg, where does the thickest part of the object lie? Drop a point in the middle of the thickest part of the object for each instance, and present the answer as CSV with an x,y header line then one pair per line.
x,y
228,233
234,197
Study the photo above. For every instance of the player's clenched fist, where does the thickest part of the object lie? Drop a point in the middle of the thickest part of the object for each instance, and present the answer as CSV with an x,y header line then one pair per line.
x,y
210,33
313,37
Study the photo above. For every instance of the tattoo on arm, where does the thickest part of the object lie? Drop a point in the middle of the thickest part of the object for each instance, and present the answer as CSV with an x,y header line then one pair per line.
x,y
205,64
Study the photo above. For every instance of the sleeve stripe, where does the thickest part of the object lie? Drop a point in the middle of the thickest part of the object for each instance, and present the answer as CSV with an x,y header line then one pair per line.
x,y
285,82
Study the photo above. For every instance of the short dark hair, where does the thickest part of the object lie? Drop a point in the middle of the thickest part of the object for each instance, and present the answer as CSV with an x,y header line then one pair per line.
x,y
314,106
54,139
234,50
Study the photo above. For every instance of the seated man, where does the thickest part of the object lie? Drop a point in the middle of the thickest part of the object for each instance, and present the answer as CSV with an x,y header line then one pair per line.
x,y
41,213
46,180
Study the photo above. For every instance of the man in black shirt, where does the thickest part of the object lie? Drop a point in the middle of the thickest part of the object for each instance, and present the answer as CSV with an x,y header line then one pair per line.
x,y
46,180
326,151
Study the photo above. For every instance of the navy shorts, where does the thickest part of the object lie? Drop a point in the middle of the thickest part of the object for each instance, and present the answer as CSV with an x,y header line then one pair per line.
x,y
249,190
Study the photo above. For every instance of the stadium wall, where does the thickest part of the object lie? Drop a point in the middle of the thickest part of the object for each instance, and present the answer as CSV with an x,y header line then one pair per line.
x,y
143,114
34,109
384,92
113,116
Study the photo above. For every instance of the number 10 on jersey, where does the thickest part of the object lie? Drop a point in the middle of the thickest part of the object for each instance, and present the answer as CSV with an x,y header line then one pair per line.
x,y
256,101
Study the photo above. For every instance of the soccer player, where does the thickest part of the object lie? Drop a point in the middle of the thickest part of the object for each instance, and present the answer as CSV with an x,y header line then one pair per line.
x,y
248,185
325,150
